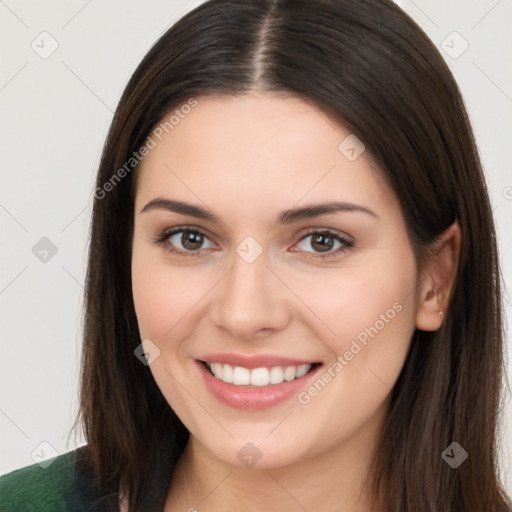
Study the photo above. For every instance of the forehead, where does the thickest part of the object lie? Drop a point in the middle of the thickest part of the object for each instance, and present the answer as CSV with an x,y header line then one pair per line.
x,y
254,149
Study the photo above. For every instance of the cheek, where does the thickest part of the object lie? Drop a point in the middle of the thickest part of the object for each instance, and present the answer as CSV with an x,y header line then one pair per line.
x,y
361,304
372,315
150,298
163,298
370,312
163,305
170,302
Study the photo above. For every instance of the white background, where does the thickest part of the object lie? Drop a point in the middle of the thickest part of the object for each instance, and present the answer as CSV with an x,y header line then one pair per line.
x,y
54,117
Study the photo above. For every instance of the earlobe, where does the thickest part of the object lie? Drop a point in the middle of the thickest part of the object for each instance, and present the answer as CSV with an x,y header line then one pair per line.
x,y
438,280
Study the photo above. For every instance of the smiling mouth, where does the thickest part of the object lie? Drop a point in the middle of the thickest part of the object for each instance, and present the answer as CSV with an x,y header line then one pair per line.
x,y
257,377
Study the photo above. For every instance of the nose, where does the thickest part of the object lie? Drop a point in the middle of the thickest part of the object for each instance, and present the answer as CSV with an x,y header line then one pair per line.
x,y
251,300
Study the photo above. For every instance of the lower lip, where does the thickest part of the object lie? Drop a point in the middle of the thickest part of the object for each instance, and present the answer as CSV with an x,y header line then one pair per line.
x,y
253,398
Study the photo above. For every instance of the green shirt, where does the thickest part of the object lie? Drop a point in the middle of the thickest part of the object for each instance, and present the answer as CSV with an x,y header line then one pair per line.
x,y
58,488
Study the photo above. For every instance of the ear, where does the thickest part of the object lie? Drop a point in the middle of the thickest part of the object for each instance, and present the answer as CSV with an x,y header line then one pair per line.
x,y
438,279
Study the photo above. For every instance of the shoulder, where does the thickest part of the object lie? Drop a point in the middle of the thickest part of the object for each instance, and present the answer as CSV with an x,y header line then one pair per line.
x,y
60,487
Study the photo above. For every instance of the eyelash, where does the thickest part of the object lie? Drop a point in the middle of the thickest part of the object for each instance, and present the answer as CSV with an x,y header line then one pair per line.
x,y
166,234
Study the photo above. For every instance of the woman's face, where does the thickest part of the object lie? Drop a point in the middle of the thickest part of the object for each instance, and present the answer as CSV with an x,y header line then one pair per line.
x,y
253,296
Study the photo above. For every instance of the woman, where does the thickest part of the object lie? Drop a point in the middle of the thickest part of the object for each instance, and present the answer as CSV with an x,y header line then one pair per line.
x,y
293,293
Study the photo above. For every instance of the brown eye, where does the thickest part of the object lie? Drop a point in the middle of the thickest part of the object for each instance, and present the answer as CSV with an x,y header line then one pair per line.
x,y
324,242
183,242
191,240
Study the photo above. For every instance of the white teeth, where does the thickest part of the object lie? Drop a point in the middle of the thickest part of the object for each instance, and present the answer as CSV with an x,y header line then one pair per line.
x,y
217,369
260,377
240,376
226,375
276,375
303,369
289,373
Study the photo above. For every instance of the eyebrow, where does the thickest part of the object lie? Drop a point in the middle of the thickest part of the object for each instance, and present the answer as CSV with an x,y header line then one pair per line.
x,y
285,217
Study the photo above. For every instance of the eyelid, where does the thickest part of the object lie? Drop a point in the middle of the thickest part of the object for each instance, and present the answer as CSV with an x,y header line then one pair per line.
x,y
319,230
168,232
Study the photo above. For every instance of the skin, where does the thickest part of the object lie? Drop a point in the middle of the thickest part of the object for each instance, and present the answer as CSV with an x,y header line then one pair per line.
x,y
246,159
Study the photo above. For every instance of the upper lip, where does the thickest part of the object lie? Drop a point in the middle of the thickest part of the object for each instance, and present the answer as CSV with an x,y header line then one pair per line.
x,y
257,361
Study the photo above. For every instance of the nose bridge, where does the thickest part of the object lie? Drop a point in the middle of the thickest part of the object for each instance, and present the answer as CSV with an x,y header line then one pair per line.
x,y
251,297
248,279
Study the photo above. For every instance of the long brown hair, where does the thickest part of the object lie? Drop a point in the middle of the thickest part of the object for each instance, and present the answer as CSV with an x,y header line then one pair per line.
x,y
370,66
